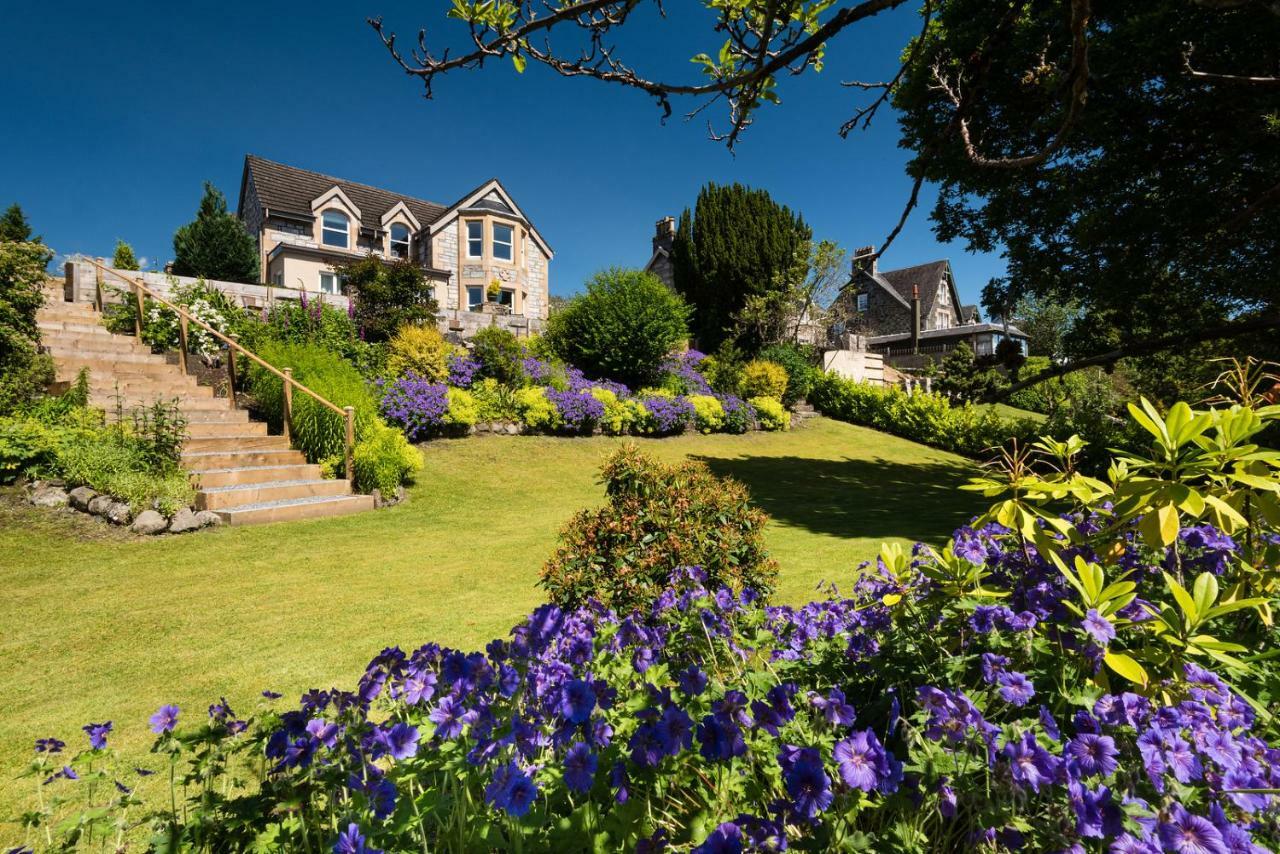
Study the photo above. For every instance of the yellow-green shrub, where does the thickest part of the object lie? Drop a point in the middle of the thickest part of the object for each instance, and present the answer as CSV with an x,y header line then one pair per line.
x,y
708,412
384,460
463,410
535,411
771,413
421,350
764,379
619,415
494,401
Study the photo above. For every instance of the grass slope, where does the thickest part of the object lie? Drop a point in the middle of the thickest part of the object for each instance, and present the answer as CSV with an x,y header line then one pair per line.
x,y
96,624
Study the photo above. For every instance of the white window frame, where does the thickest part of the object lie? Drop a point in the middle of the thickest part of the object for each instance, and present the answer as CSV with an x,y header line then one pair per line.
x,y
339,282
474,306
863,301
326,229
510,294
467,225
392,242
510,245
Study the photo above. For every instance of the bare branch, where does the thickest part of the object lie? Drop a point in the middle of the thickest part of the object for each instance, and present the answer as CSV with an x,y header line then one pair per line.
x,y
1143,348
1208,77
867,113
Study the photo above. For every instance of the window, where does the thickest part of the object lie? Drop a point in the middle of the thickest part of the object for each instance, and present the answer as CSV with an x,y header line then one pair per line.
x,y
399,240
475,297
862,302
503,242
278,279
507,298
332,283
475,239
335,229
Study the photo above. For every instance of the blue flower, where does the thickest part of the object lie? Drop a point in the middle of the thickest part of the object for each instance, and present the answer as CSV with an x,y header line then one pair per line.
x,y
401,741
1098,627
692,681
834,708
580,767
164,720
725,839
511,790
721,738
805,780
351,841
1184,833
97,734
577,701
1015,688
1091,754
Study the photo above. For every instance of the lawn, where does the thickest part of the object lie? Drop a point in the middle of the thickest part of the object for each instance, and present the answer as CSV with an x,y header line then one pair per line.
x,y
96,624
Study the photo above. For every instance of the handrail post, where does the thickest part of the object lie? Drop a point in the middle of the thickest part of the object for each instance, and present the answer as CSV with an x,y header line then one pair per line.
x,y
350,412
137,316
288,404
231,369
97,291
182,341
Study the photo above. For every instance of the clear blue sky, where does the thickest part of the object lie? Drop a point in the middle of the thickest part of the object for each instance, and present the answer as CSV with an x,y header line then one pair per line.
x,y
116,113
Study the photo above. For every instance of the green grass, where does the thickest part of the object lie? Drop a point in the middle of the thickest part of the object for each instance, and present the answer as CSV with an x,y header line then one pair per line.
x,y
1013,413
96,624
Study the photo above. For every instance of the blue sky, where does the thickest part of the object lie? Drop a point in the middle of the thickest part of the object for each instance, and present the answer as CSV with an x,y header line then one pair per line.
x,y
119,112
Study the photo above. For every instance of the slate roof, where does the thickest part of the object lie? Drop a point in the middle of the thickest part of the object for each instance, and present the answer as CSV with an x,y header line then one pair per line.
x,y
968,313
289,189
924,276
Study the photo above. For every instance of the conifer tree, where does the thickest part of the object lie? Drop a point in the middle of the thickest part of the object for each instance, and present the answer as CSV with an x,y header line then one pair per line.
x,y
215,245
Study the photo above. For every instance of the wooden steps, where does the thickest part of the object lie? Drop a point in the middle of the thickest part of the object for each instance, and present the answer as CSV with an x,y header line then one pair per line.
x,y
239,471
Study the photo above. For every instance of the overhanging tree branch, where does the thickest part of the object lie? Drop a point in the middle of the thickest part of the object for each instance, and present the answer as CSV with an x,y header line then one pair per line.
x,y
1145,348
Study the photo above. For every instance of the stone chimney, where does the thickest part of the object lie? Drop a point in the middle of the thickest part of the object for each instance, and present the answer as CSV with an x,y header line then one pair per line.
x,y
915,319
865,259
664,234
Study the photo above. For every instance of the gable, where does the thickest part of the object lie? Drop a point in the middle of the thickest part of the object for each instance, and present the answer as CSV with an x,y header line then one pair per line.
x,y
490,198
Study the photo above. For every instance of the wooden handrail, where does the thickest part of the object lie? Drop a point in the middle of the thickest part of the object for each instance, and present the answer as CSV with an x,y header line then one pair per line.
x,y
233,346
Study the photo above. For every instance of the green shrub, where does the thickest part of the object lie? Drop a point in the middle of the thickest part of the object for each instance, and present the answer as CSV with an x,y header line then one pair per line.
x,y
24,372
798,362
621,328
771,414
723,369
534,410
763,379
658,518
494,401
306,321
422,350
384,460
499,355
385,297
708,413
619,415
318,431
115,462
463,410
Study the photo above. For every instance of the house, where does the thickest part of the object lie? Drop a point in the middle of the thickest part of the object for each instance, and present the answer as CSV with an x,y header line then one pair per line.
x,y
659,263
914,312
485,261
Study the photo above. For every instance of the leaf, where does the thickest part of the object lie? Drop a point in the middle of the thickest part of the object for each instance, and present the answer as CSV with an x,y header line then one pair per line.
x,y
1185,602
1126,666
891,599
1160,528
519,62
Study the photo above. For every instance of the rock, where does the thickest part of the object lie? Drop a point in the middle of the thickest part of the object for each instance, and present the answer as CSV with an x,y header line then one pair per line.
x,y
377,498
119,513
81,496
513,429
208,519
184,520
100,504
49,496
149,522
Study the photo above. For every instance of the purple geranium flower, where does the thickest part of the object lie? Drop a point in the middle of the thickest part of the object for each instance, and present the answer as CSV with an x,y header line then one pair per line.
x,y
1098,627
805,780
1015,688
164,720
1184,833
580,767
1092,754
97,734
352,841
577,701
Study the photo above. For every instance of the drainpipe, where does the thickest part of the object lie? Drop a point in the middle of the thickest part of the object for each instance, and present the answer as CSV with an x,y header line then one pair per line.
x,y
915,320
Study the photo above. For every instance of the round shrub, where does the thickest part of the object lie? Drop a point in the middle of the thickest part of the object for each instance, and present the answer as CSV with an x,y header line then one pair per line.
x,y
383,460
708,412
619,415
463,410
622,328
494,401
577,411
499,354
763,379
798,362
535,411
771,413
421,350
658,517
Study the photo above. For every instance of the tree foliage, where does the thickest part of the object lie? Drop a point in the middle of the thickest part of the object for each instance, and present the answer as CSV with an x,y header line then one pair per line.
x,y
123,258
215,245
737,243
387,295
14,227
622,328
24,371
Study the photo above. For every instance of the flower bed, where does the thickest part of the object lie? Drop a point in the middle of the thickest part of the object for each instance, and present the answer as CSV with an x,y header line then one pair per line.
x,y
1054,679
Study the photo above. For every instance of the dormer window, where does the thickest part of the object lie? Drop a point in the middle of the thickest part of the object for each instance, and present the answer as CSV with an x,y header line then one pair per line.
x,y
503,242
399,240
335,229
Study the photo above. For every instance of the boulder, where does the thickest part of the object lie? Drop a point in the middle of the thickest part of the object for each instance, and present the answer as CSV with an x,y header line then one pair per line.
x,y
513,429
149,522
49,496
81,496
183,521
119,513
100,504
208,519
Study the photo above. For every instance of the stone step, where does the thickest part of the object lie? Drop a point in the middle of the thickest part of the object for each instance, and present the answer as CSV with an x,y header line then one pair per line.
x,y
221,415
149,384
108,356
80,327
240,495
210,478
202,461
297,508
240,442
74,342
206,429
70,365
107,400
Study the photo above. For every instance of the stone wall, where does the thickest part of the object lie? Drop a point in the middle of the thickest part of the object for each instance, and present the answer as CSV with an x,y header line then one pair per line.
x,y
884,315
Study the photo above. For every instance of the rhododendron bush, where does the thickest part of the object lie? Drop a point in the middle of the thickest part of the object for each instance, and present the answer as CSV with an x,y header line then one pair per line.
x,y
1086,667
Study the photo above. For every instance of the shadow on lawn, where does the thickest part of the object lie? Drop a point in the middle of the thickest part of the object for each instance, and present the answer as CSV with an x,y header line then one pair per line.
x,y
857,497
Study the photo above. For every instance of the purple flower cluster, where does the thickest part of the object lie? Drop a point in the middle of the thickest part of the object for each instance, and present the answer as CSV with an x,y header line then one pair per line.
x,y
415,405
462,370
536,371
683,367
668,415
579,411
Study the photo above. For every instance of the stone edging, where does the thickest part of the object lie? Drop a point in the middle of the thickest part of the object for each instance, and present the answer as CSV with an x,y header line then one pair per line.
x,y
43,493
